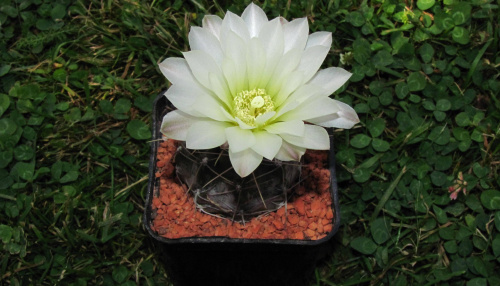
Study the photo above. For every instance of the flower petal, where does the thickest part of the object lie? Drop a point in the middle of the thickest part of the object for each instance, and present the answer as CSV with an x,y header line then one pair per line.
x,y
234,23
292,127
289,152
235,49
292,82
254,17
271,37
206,134
220,89
209,107
311,61
319,38
245,162
184,96
346,118
295,33
204,40
319,107
256,62
176,70
330,79
176,123
285,67
201,65
263,118
212,23
239,139
267,144
315,138
243,125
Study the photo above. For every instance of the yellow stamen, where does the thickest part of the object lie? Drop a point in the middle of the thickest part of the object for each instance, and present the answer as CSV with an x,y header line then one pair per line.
x,y
249,104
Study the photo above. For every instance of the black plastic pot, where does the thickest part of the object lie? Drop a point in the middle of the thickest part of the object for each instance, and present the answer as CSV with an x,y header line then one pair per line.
x,y
233,261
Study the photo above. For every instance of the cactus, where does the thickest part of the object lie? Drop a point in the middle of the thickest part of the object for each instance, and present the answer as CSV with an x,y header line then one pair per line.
x,y
218,190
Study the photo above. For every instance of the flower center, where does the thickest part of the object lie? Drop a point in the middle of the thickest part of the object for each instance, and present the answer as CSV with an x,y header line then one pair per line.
x,y
249,104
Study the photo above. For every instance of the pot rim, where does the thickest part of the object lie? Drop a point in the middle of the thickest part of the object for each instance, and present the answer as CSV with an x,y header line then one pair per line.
x,y
153,184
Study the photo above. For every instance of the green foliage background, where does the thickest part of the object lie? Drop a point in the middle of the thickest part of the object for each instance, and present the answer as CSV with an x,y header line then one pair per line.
x,y
77,80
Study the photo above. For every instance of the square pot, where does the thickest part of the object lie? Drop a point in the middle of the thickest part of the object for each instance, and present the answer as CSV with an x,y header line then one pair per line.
x,y
235,261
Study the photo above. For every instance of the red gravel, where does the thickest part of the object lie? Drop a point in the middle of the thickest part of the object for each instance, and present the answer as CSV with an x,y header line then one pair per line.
x,y
308,215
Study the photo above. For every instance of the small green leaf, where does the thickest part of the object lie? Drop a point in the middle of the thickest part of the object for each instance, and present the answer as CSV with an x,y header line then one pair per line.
x,y
477,282
376,127
495,245
382,58
60,75
491,199
426,52
7,127
380,145
138,130
360,141
380,230
425,4
356,19
5,158
443,105
24,170
122,105
416,81
58,12
479,170
120,273
364,245
460,35
4,70
5,233
24,152
69,177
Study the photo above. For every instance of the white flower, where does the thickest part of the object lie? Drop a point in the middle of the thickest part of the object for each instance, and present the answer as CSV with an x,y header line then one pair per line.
x,y
255,84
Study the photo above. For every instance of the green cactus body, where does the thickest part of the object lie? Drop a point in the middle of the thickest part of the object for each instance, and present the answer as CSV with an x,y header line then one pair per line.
x,y
219,191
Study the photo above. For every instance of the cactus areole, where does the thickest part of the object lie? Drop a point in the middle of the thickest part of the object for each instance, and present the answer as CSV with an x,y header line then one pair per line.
x,y
250,99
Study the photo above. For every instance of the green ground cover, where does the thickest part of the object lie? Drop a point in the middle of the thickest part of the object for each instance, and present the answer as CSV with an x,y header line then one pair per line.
x,y
77,80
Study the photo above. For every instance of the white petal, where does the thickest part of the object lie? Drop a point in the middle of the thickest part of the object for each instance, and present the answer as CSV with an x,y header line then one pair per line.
x,y
245,162
239,139
204,40
319,38
256,62
235,49
289,152
330,79
202,64
229,71
285,67
234,23
184,96
209,107
176,70
220,89
304,93
311,61
206,134
271,36
346,118
295,33
315,137
175,124
254,17
243,125
319,107
263,118
212,23
292,82
267,144
292,127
